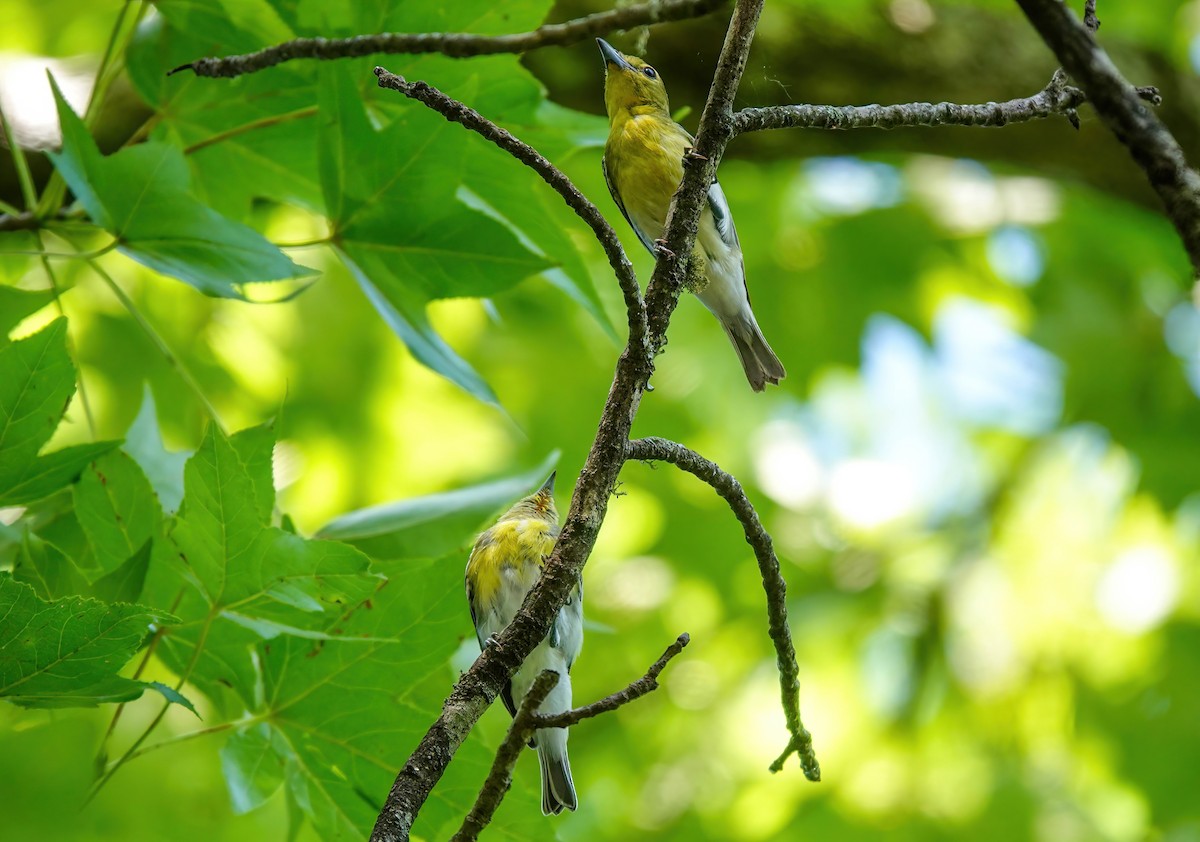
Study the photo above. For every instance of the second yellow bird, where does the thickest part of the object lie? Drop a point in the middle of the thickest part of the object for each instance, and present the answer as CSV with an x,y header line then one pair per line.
x,y
643,165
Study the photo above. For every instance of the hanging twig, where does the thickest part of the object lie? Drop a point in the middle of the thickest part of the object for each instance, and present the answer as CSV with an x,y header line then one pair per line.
x,y
655,449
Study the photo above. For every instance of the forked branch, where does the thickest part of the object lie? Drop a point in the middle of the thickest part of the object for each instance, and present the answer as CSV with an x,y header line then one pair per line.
x,y
1121,108
499,779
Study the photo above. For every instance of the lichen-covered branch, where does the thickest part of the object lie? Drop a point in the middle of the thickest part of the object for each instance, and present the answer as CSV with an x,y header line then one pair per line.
x,y
457,112
654,449
1056,99
478,686
499,779
1120,107
455,44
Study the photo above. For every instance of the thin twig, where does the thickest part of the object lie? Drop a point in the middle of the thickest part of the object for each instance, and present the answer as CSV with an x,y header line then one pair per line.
x,y
455,44
526,721
1120,107
499,779
1056,99
456,112
478,686
636,689
730,490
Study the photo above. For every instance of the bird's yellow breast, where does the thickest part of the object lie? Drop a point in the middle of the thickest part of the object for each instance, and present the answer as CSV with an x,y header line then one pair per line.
x,y
644,156
521,545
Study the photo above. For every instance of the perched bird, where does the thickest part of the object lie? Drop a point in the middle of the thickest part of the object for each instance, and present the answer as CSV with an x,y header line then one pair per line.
x,y
504,564
643,165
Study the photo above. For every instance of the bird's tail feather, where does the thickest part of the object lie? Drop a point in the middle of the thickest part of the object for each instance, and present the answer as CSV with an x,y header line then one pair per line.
x,y
758,360
558,790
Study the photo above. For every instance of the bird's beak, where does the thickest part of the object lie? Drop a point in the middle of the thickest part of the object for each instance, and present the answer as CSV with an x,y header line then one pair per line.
x,y
611,56
548,485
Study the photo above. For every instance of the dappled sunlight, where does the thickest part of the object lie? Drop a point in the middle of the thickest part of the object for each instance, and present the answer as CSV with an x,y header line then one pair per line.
x,y
1139,588
966,198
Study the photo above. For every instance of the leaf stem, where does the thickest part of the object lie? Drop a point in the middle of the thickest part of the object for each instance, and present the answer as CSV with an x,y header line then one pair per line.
x,y
202,732
137,673
272,120
307,244
79,255
28,192
129,752
54,288
11,210
172,360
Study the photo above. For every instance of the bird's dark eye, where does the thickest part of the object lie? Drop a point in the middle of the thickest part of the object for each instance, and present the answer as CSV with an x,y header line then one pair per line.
x,y
649,71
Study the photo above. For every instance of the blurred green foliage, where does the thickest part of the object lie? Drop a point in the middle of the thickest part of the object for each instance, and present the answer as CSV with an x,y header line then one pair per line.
x,y
981,472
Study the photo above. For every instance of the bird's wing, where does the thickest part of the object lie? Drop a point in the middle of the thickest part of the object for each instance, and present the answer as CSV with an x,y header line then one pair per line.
x,y
506,695
612,189
719,205
723,217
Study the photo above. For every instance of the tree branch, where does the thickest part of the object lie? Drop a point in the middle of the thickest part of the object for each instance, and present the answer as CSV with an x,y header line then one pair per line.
x,y
653,449
499,779
636,689
454,44
1057,98
1119,106
456,112
478,686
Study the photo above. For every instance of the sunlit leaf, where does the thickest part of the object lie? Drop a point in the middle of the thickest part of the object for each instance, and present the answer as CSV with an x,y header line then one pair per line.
x,y
117,509
16,304
390,197
240,579
164,469
140,196
37,380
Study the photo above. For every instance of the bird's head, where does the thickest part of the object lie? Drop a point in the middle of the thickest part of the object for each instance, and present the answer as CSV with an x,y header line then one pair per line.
x,y
631,85
538,505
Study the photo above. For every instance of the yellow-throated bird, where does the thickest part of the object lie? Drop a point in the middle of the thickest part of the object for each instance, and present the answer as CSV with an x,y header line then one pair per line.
x,y
643,165
505,563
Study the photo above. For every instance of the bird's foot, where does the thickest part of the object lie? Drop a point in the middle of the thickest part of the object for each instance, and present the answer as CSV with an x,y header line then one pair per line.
x,y
660,247
692,155
489,642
